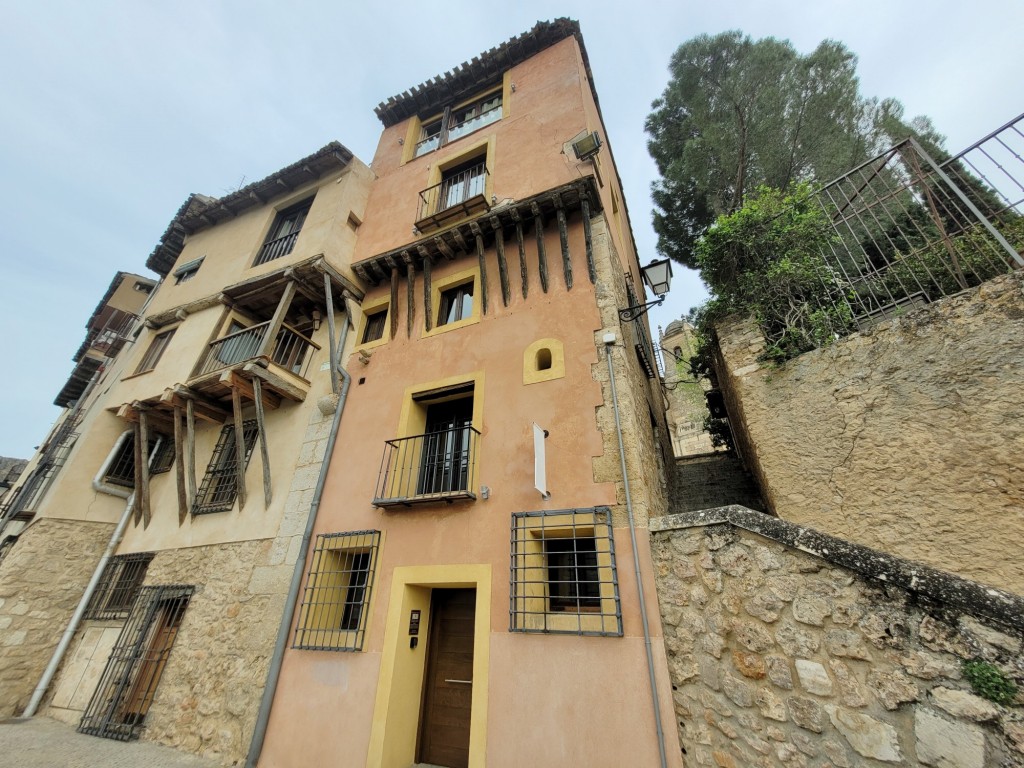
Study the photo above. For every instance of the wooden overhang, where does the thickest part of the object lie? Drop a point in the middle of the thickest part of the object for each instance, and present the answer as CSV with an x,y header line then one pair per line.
x,y
260,294
458,239
470,77
200,211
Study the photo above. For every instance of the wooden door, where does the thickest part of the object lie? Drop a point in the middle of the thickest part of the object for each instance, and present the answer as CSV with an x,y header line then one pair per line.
x,y
448,688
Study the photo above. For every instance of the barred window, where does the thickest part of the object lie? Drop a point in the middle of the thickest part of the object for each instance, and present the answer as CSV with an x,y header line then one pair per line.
x,y
563,573
160,455
338,589
118,587
220,483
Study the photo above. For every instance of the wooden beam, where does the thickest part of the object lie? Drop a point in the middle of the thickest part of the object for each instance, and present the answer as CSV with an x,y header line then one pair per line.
x,y
393,313
563,236
499,247
264,450
140,501
522,258
143,484
444,248
410,294
332,352
481,259
276,383
460,240
542,256
236,408
588,239
179,465
202,408
274,328
379,270
190,435
364,274
428,300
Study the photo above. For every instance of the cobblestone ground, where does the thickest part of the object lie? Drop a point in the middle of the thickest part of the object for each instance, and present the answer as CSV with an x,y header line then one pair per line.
x,y
44,743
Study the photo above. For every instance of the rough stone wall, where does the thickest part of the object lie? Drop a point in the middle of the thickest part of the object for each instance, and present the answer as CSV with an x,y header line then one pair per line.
x,y
42,579
779,657
908,438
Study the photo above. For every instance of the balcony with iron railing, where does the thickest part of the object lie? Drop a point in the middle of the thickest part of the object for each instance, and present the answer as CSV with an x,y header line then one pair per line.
x,y
460,194
437,466
288,358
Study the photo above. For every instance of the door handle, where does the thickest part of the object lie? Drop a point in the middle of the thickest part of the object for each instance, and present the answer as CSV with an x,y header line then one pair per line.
x,y
463,682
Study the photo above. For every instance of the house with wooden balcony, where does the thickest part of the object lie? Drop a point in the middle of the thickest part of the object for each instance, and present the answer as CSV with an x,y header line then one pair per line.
x,y
201,417
472,561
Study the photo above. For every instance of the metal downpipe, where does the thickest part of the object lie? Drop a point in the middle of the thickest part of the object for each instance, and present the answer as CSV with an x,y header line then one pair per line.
x,y
274,673
636,562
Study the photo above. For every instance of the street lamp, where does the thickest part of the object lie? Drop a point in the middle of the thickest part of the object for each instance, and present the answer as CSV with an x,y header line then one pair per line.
x,y
658,277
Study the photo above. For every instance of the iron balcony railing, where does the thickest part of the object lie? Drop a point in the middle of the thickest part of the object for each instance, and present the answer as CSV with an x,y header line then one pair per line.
x,y
275,249
460,193
644,348
291,350
437,466
109,338
458,130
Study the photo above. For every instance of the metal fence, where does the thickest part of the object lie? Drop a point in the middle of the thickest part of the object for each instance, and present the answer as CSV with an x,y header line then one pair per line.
x,y
908,227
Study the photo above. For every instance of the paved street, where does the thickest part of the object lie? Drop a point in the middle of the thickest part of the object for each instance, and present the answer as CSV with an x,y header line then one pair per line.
x,y
44,743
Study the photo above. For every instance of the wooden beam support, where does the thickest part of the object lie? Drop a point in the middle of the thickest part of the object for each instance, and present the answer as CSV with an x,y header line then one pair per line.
x,y
236,408
588,239
190,443
202,407
379,270
264,450
522,258
499,247
332,353
364,274
179,465
428,300
276,383
542,255
460,240
444,248
140,501
143,484
393,313
563,235
274,328
478,237
410,294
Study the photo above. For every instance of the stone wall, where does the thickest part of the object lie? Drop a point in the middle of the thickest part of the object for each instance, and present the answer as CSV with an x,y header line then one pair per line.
x,y
42,579
907,438
788,647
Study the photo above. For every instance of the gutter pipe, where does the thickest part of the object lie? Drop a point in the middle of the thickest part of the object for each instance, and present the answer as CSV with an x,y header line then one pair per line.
x,y
274,673
609,343
76,617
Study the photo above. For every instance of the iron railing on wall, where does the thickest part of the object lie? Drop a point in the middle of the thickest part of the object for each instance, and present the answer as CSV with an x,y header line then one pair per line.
x,y
460,193
437,466
906,228
275,249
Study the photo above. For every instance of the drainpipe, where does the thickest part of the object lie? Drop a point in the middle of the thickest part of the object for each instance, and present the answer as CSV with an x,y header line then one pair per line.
x,y
274,673
76,618
609,341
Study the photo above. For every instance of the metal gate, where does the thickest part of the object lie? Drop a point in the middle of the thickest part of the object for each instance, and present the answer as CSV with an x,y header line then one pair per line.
x,y
125,691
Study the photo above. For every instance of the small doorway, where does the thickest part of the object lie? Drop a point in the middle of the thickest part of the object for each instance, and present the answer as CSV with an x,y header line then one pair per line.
x,y
448,686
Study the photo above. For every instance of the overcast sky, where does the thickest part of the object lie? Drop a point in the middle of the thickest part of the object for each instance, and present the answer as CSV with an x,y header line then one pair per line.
x,y
116,111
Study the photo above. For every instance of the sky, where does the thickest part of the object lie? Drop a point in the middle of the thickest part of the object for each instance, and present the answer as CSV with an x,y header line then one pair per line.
x,y
116,110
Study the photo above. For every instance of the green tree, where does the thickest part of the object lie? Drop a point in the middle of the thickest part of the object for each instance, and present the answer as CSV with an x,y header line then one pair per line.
x,y
739,113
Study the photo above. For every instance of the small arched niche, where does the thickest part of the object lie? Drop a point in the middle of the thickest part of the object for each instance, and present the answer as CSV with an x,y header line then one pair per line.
x,y
543,360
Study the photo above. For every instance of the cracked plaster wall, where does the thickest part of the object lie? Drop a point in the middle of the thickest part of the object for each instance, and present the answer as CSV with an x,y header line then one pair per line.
x,y
908,438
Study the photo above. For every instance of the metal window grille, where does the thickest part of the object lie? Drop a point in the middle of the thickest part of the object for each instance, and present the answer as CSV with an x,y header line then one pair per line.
x,y
220,483
562,575
155,351
338,589
160,456
119,586
282,236
128,685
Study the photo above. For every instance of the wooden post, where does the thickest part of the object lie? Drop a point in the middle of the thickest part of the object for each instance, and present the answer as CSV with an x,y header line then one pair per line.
x,y
591,269
522,258
274,328
144,477
190,432
393,313
563,235
542,255
179,465
481,258
140,500
236,406
499,246
427,298
410,276
257,389
333,353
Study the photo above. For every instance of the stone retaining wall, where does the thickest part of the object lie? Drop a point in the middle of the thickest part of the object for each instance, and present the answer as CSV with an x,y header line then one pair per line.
x,y
787,647
42,579
907,438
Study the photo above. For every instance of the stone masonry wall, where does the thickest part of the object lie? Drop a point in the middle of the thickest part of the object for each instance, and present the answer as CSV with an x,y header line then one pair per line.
x,y
907,438
42,579
779,656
